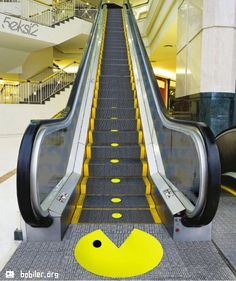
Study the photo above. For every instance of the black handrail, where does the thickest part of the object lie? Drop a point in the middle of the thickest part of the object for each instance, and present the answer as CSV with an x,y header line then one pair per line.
x,y
225,141
27,143
213,180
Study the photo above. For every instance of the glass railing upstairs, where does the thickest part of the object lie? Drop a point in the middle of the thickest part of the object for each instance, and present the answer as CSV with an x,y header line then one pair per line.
x,y
50,15
38,92
185,154
48,151
86,11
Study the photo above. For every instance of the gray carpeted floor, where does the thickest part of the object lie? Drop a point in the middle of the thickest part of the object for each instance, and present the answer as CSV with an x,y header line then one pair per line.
x,y
181,261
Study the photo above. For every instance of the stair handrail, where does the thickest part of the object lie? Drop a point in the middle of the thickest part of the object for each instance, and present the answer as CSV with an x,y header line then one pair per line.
x,y
40,91
26,88
201,135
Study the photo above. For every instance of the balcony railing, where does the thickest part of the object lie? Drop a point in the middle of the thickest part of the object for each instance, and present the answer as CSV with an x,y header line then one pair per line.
x,y
50,15
37,92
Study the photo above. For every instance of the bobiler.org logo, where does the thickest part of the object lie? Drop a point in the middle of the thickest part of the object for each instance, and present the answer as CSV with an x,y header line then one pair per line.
x,y
10,274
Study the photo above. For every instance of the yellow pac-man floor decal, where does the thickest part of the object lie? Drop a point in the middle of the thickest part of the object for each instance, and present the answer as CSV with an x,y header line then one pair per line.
x,y
140,253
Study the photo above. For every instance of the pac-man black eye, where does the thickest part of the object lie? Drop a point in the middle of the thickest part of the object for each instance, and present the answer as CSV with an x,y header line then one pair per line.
x,y
97,243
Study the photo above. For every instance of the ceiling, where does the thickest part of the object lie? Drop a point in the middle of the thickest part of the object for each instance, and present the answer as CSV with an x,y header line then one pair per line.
x,y
162,54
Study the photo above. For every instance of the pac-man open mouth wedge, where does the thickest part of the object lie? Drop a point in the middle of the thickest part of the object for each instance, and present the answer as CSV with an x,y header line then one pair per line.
x,y
140,253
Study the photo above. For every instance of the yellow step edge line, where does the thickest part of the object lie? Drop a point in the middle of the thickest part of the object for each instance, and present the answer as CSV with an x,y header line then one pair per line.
x,y
140,136
142,151
153,210
155,216
137,115
84,185
139,125
229,189
148,185
94,113
76,216
90,136
88,151
95,102
86,167
150,202
80,201
145,168
92,121
96,94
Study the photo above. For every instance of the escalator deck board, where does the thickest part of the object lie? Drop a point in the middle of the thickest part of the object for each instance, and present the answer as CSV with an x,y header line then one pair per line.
x,y
105,216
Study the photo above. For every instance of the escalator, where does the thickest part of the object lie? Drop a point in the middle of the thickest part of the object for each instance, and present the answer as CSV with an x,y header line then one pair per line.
x,y
115,170
226,145
116,156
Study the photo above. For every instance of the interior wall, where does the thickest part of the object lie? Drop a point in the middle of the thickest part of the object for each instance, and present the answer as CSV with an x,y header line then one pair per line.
x,y
36,62
189,47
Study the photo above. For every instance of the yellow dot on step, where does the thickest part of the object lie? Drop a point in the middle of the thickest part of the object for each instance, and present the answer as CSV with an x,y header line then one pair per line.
x,y
116,180
114,118
114,161
114,144
116,200
116,215
114,131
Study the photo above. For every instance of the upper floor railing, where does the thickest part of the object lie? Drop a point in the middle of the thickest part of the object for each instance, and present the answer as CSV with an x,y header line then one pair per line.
x,y
37,92
48,15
